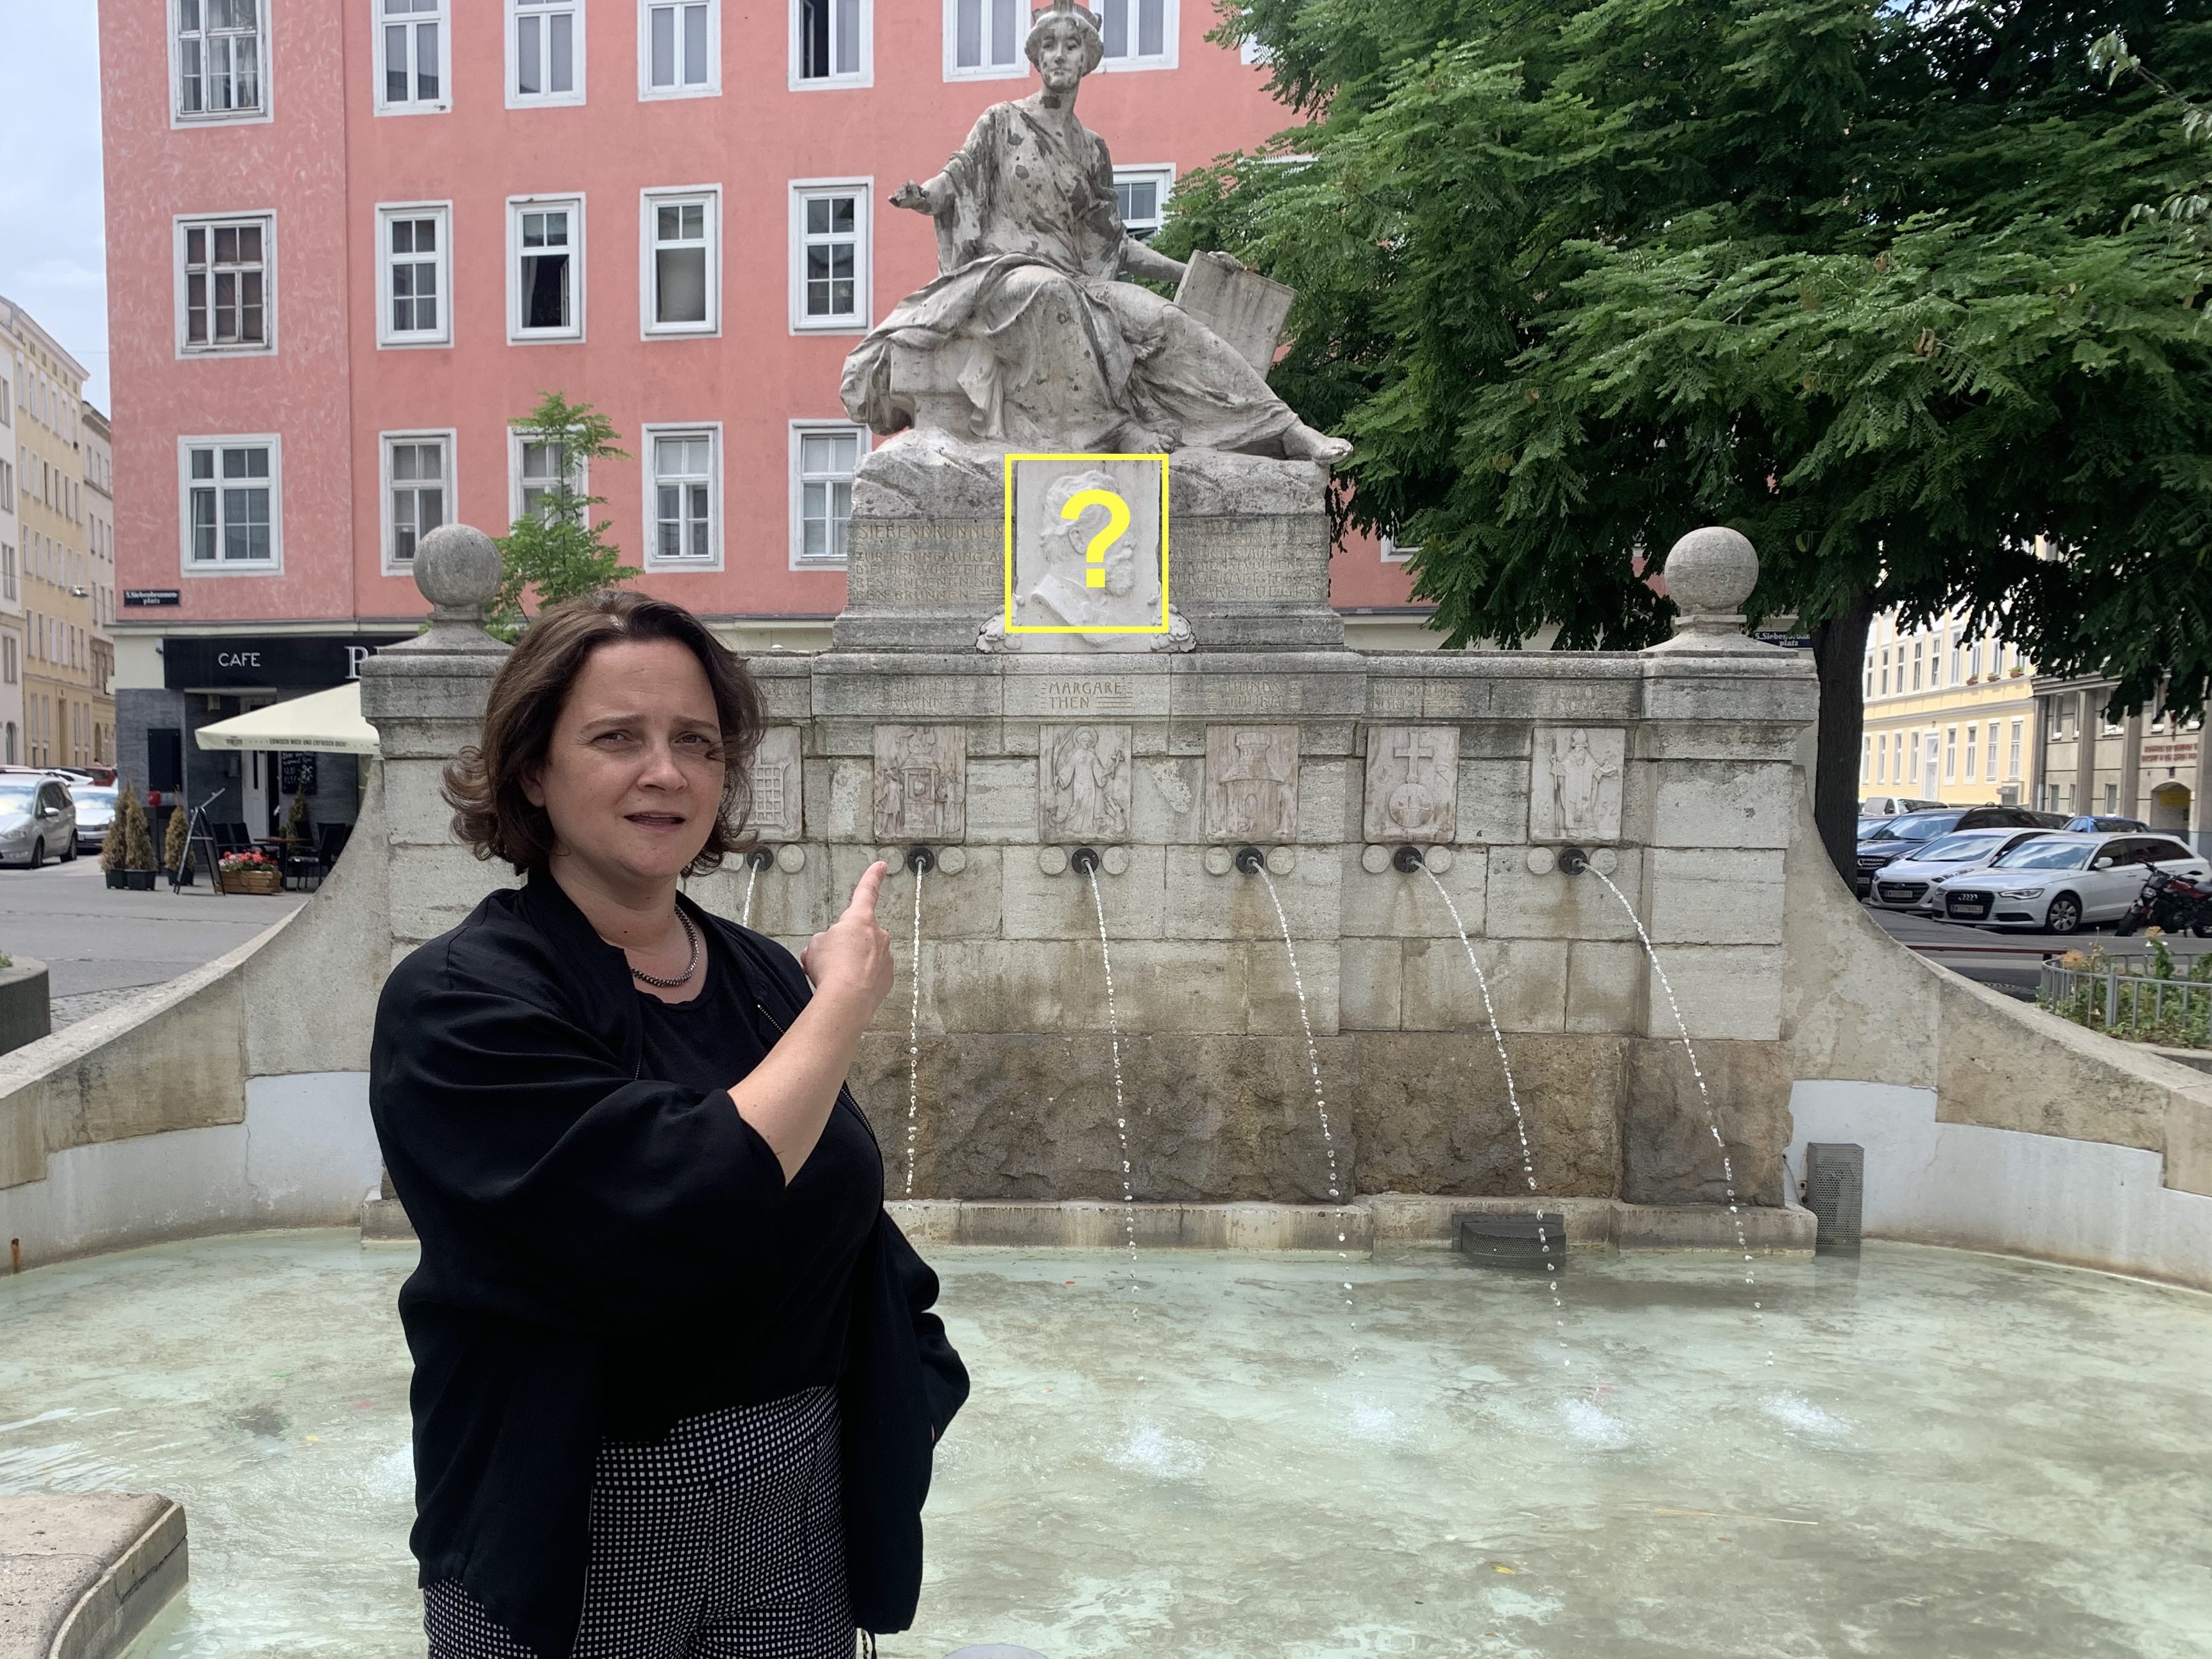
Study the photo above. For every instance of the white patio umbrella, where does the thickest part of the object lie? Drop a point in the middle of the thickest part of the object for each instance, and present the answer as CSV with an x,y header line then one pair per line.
x,y
327,721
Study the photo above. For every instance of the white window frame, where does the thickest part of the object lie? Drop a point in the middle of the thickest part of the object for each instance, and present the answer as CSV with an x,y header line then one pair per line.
x,y
516,207
179,224
1170,30
1162,174
712,87
442,15
1017,68
174,12
796,538
647,268
516,98
712,431
388,337
863,192
1396,552
864,76
384,440
515,439
272,566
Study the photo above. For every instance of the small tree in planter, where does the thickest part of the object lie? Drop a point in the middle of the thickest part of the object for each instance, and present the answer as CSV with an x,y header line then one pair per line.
x,y
176,844
296,820
111,844
136,853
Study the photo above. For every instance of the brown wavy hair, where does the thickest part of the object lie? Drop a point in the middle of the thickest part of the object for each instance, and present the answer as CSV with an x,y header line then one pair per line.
x,y
495,819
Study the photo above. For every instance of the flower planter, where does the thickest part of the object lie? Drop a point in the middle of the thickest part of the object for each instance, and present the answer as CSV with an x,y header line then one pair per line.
x,y
263,882
139,881
117,878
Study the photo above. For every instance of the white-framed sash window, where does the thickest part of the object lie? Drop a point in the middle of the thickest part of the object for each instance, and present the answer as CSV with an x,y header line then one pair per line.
x,y
680,278
682,497
413,274
418,492
984,38
829,254
1137,34
225,297
232,504
545,268
219,55
1394,551
1141,195
823,457
544,52
410,58
831,43
679,48
534,469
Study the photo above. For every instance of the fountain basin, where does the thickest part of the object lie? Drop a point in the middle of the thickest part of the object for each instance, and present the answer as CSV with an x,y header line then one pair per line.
x,y
1219,1462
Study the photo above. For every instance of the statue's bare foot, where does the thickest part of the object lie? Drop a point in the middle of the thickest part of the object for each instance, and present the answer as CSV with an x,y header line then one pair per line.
x,y
1302,443
1136,439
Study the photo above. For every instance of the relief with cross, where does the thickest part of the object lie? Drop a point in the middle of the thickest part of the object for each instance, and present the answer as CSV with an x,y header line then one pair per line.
x,y
1413,783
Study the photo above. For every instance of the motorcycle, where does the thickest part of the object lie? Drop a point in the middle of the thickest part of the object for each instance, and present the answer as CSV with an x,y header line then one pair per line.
x,y
2170,902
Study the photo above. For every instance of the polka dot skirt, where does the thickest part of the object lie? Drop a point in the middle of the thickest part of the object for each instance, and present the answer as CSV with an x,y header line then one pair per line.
x,y
724,1541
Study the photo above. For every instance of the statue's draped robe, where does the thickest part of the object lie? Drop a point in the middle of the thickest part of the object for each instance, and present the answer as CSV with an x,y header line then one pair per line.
x,y
1050,348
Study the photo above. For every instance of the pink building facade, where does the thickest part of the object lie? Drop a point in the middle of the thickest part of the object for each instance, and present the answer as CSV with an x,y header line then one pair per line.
x,y
349,240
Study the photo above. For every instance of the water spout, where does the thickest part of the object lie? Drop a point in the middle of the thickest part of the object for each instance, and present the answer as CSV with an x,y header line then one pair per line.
x,y
1407,860
1573,861
756,860
1087,861
1253,862
920,861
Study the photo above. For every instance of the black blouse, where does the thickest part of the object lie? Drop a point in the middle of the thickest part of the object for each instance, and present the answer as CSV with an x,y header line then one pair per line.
x,y
759,1337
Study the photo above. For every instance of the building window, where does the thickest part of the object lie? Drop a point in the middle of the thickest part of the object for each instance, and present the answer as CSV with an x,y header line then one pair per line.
x,y
545,52
1951,753
823,460
984,38
1869,675
411,37
1138,34
1881,758
829,255
1866,758
224,284
1917,645
1393,551
679,48
1958,672
1141,194
545,269
534,469
220,52
1885,673
7,571
1989,750
418,484
683,528
1913,741
414,247
2112,797
829,43
232,508
682,279
1969,753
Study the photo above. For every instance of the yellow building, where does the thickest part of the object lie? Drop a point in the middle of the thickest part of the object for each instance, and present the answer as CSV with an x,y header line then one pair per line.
x,y
1950,717
69,714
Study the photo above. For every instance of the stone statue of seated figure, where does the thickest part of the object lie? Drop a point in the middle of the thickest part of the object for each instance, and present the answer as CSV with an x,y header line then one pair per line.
x,y
1026,337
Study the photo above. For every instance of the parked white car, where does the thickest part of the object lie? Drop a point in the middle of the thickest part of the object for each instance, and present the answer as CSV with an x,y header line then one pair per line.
x,y
1888,807
2060,883
38,820
1913,883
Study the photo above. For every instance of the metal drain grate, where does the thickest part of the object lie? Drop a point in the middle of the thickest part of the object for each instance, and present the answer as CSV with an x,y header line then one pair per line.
x,y
1835,1191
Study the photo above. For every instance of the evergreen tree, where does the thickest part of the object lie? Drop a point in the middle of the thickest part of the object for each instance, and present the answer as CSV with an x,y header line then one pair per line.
x,y
554,551
1858,277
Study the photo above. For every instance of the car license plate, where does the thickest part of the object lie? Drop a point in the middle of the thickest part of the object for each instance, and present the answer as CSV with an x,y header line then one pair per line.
x,y
1968,905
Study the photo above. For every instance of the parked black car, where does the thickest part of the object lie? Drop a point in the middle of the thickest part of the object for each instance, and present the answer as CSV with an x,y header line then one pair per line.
x,y
2094,823
1909,832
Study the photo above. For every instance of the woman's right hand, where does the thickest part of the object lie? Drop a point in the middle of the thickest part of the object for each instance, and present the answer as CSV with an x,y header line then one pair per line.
x,y
911,195
850,960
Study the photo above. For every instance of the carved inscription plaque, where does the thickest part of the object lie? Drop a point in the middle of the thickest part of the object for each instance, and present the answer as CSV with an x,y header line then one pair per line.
x,y
1574,784
920,782
1083,783
777,812
1251,782
1413,783
1245,562
903,564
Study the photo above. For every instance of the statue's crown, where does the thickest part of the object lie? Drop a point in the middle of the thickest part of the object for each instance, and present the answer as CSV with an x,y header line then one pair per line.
x,y
1070,8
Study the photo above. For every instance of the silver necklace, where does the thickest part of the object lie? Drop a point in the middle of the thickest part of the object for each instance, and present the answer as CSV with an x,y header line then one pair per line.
x,y
689,968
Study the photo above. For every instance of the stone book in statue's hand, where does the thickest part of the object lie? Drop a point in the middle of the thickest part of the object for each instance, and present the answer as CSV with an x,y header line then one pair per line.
x,y
1242,307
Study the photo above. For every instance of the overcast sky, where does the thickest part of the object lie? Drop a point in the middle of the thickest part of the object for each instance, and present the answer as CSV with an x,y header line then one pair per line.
x,y
54,258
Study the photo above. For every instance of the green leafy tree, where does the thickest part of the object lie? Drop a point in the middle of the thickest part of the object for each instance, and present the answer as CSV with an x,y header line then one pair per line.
x,y
1857,277
555,551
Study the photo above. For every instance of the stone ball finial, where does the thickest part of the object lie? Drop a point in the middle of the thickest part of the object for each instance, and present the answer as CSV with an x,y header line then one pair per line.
x,y
458,569
1710,574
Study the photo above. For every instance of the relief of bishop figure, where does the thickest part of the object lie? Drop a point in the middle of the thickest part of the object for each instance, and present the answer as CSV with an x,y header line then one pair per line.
x,y
1027,335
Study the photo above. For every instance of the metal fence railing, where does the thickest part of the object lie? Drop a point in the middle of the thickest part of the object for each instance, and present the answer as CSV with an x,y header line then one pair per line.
x,y
2124,999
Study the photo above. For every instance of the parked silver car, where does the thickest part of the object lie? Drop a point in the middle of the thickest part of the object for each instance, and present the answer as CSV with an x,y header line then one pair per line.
x,y
2060,883
37,819
95,810
1915,882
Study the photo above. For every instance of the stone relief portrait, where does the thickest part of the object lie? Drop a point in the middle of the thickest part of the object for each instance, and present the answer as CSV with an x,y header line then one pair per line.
x,y
777,812
1413,783
1083,775
920,782
1574,784
1251,782
1053,575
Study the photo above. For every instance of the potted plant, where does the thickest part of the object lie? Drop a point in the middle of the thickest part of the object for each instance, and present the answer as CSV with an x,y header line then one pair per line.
x,y
176,848
296,821
129,850
111,844
250,873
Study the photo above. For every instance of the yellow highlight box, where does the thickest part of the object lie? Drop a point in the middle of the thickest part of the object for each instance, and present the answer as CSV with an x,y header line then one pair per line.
x,y
1094,576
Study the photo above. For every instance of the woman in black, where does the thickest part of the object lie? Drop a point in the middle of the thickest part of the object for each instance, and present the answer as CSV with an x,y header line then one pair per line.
x,y
676,1382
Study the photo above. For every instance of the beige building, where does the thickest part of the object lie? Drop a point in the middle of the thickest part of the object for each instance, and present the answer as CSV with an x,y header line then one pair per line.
x,y
11,542
69,711
1949,716
2143,766
99,576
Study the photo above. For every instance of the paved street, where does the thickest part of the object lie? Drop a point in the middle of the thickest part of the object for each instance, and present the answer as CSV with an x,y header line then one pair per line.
x,y
99,945
2009,962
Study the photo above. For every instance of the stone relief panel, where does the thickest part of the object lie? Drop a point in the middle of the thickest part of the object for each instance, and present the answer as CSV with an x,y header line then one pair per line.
x,y
778,809
1574,782
1413,783
921,786
1251,782
1083,783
